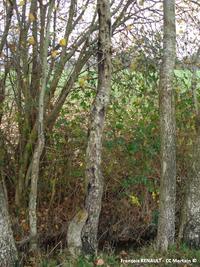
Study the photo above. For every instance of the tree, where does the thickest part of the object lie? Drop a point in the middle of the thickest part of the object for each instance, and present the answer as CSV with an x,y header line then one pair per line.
x,y
43,69
190,222
69,48
8,251
93,173
166,222
41,135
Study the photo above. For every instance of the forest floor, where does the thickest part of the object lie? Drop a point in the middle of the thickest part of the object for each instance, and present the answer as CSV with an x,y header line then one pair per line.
x,y
146,256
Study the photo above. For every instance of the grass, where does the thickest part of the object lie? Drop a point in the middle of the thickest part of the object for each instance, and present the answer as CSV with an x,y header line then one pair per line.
x,y
181,256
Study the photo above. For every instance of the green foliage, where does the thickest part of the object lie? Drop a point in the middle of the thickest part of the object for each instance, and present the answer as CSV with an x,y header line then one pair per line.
x,y
48,263
131,153
143,180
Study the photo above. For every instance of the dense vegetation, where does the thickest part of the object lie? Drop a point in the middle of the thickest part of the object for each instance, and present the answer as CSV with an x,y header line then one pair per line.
x,y
83,156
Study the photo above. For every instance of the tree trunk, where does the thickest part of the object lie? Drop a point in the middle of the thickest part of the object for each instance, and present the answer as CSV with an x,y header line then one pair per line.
x,y
8,251
75,227
41,139
191,216
189,230
166,222
94,147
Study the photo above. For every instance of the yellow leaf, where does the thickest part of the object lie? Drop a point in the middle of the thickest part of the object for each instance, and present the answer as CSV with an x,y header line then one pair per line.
x,y
180,31
31,40
31,17
82,82
129,27
21,3
134,200
180,21
141,2
178,89
154,195
63,42
54,53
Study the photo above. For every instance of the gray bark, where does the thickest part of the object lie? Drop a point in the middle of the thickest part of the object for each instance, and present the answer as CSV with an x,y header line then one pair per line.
x,y
41,139
191,217
166,222
8,251
7,26
190,222
94,176
75,227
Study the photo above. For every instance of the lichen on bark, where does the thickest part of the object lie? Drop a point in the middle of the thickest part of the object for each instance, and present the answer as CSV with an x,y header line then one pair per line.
x,y
8,251
166,222
93,172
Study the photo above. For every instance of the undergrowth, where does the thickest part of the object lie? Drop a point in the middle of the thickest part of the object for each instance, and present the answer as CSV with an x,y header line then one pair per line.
x,y
177,255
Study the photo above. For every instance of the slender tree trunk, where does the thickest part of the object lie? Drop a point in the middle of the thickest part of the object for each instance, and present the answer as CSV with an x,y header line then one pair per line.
x,y
166,222
41,139
94,147
19,188
8,251
190,222
191,216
